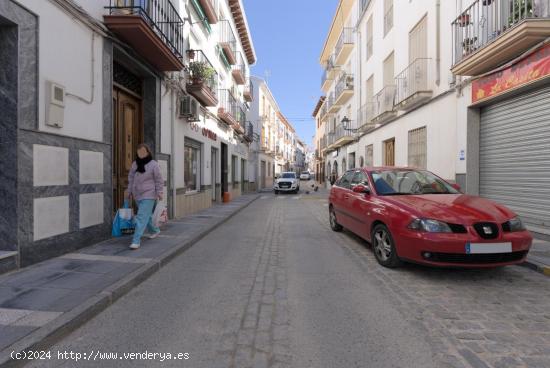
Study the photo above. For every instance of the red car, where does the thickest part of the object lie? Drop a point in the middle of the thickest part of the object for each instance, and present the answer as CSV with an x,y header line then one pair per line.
x,y
413,215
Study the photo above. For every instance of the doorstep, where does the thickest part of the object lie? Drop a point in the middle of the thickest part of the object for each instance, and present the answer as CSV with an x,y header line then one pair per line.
x,y
42,303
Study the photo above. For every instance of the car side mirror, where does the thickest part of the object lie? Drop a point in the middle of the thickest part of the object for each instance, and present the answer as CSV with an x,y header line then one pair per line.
x,y
456,186
360,188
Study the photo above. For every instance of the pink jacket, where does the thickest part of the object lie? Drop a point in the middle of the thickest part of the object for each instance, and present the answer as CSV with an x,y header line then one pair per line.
x,y
147,185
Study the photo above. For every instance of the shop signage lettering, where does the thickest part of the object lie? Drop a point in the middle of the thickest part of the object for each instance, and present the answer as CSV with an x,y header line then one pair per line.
x,y
534,67
210,134
195,127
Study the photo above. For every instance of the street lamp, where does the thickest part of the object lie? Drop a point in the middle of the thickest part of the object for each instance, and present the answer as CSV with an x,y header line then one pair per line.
x,y
346,123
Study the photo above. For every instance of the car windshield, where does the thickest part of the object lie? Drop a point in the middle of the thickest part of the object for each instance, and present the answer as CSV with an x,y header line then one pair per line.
x,y
409,182
288,176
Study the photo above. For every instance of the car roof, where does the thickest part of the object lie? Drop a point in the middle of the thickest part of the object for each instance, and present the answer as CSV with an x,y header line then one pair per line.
x,y
382,168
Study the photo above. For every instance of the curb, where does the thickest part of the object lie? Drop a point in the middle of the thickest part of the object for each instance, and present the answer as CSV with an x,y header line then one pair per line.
x,y
53,331
538,267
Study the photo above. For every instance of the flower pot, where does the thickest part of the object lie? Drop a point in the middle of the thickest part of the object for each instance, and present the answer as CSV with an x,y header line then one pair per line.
x,y
464,20
487,2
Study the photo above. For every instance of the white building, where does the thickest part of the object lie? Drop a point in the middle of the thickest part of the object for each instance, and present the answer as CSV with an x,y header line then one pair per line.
x,y
88,80
398,93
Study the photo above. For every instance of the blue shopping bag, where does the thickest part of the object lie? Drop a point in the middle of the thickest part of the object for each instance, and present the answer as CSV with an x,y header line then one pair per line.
x,y
124,222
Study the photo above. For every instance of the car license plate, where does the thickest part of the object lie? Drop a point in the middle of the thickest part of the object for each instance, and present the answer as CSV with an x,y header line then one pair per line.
x,y
488,248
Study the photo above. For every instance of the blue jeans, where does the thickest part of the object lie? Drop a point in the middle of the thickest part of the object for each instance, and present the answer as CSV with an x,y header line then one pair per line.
x,y
144,219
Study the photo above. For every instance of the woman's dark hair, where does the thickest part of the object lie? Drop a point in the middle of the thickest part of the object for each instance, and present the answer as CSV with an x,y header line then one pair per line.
x,y
143,145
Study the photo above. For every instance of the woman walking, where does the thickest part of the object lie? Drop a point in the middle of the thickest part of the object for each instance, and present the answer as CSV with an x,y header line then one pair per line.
x,y
145,185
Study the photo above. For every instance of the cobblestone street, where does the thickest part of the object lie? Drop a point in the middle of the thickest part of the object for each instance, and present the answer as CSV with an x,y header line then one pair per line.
x,y
275,287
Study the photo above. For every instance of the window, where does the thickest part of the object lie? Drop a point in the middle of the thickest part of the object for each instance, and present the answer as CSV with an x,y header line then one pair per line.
x,y
369,38
418,148
359,178
388,16
370,89
234,169
369,155
345,181
388,71
418,41
191,165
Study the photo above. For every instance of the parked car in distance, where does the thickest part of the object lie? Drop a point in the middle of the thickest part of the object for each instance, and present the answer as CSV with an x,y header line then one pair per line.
x,y
305,175
287,182
413,215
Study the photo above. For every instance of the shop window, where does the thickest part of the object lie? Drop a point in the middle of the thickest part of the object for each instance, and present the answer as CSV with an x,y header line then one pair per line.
x,y
192,164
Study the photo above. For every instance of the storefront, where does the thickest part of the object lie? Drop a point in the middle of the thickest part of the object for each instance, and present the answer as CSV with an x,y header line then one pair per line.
x,y
514,137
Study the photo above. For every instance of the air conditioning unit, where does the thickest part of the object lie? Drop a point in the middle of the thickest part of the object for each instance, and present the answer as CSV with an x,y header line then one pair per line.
x,y
189,109
55,104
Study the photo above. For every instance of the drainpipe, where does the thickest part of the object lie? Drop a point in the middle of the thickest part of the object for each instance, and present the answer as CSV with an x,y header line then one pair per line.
x,y
359,65
172,152
438,42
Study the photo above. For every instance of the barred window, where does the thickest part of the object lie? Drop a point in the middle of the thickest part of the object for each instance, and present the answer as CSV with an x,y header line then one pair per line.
x,y
418,156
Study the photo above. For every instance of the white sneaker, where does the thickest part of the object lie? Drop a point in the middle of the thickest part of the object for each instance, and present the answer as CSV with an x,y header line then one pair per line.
x,y
134,246
153,235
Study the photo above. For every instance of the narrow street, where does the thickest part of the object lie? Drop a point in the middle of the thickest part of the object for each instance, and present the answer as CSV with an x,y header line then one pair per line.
x,y
275,287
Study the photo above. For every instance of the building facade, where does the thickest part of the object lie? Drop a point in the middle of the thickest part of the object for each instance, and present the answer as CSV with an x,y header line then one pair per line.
x,y
273,149
407,85
86,82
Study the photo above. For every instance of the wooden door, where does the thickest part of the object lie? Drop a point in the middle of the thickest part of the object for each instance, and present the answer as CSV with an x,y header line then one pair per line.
x,y
389,152
262,174
127,134
214,170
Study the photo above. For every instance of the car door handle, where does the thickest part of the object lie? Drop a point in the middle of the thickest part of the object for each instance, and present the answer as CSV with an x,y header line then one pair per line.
x,y
346,196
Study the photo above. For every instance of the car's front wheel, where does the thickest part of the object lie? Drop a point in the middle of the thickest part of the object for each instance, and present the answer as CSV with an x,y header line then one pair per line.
x,y
334,225
384,247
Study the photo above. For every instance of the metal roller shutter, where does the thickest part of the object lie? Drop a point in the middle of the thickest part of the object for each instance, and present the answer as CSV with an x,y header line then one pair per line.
x,y
515,156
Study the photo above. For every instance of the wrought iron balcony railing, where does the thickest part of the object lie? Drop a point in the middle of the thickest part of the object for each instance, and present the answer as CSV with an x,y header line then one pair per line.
x,y
345,83
201,72
228,41
248,90
484,21
239,69
364,4
159,15
346,38
384,101
414,79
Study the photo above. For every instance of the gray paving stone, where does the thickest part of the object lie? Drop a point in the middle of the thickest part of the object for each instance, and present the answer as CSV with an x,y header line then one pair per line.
x,y
37,318
10,316
11,334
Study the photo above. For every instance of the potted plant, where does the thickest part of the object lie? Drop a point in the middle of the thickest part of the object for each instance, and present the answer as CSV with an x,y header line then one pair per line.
x,y
464,19
487,2
200,71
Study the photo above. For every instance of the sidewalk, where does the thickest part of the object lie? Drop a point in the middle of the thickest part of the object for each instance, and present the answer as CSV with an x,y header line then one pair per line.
x,y
538,258
41,303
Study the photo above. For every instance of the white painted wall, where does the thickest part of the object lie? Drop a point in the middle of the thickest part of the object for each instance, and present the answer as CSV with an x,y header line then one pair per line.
x,y
65,57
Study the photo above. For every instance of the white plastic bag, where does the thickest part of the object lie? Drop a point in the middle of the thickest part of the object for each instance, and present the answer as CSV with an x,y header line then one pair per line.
x,y
160,215
125,213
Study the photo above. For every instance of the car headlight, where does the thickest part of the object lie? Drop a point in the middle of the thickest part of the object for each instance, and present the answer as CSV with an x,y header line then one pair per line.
x,y
429,226
514,224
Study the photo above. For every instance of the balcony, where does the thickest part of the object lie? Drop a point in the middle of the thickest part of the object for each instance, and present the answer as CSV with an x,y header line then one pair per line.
x,y
413,85
330,73
203,78
344,45
323,112
344,136
365,117
153,28
207,9
239,69
248,93
490,33
228,42
240,127
331,105
228,110
249,135
344,89
383,103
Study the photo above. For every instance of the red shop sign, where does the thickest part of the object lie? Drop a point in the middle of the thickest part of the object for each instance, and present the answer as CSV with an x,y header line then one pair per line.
x,y
210,134
534,67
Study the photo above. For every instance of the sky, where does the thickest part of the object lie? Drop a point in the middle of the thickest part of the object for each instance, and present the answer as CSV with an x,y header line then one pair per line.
x,y
288,37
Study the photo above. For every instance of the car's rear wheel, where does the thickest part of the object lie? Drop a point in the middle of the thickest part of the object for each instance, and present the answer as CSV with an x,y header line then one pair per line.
x,y
384,247
334,225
